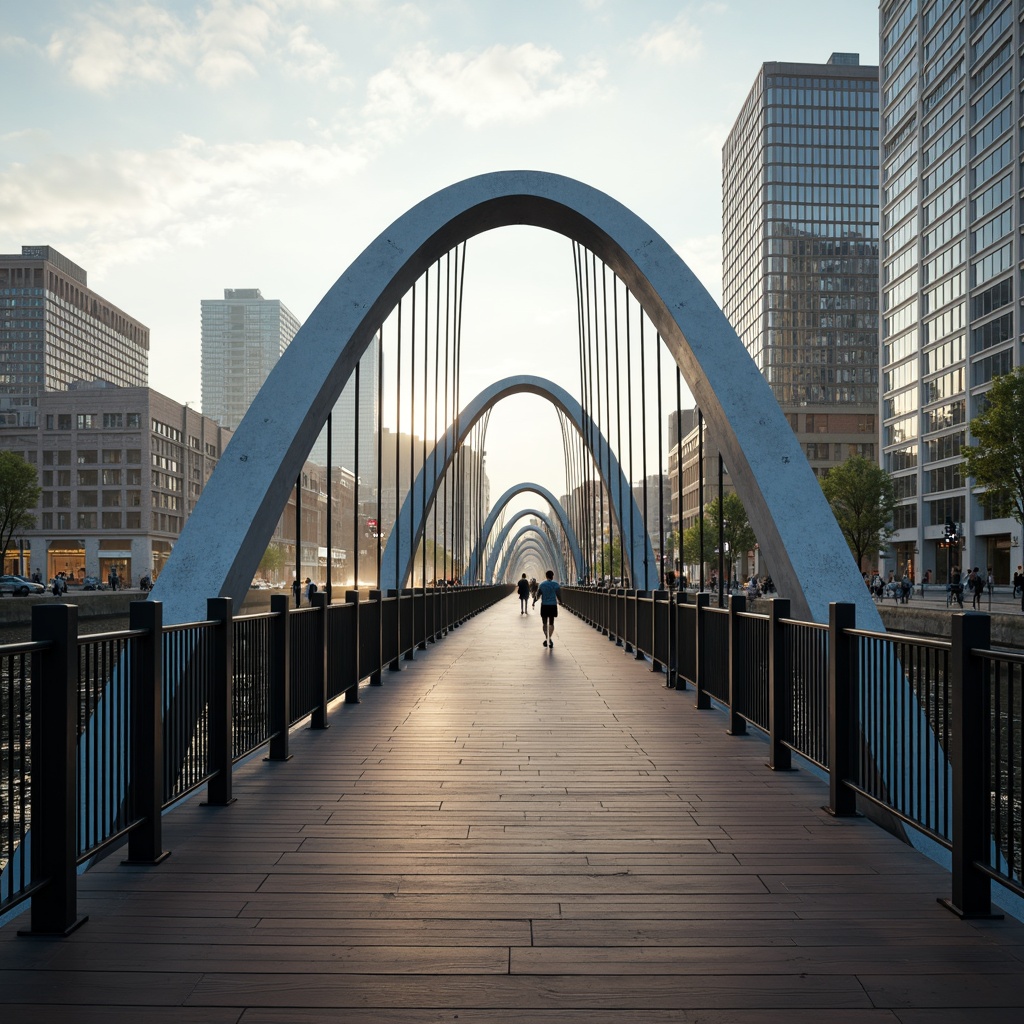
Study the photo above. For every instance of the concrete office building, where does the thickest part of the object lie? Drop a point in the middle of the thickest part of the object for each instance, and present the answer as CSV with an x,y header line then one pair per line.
x,y
243,336
800,248
120,470
950,278
55,330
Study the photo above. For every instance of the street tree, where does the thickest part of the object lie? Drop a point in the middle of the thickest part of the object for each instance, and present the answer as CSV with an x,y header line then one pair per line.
x,y
18,494
862,499
996,459
739,534
272,561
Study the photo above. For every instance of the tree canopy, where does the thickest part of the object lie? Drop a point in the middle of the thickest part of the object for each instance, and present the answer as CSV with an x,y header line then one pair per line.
x,y
996,459
18,493
739,534
862,498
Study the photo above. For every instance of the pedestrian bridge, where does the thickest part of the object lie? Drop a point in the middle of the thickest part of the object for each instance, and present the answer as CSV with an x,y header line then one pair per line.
x,y
500,832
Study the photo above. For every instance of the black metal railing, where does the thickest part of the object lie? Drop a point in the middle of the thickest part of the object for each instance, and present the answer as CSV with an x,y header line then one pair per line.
x,y
928,731
134,720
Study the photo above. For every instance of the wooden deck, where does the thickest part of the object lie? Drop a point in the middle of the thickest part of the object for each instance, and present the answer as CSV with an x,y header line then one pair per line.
x,y
503,833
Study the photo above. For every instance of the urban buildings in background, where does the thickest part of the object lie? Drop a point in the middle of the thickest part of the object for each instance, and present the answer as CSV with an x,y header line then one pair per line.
x,y
951,283
55,330
800,260
355,414
242,338
120,470
800,248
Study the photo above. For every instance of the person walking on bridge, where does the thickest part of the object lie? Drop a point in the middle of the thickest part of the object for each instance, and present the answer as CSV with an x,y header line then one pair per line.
x,y
550,594
523,587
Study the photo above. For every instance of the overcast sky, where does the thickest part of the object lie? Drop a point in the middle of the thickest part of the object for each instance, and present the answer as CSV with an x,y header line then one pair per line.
x,y
173,149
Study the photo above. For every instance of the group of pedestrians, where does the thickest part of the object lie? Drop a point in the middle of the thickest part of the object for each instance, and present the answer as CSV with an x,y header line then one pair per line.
x,y
549,593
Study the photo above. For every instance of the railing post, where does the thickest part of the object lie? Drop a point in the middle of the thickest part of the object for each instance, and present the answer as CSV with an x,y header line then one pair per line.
x,y
145,841
396,662
779,688
280,678
352,693
318,716
54,749
638,653
703,701
218,789
842,720
970,757
737,723
376,678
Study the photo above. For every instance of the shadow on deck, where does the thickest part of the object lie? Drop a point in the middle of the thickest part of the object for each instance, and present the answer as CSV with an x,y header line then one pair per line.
x,y
507,833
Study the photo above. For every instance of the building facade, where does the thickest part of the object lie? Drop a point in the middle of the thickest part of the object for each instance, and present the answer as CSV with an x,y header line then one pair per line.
x,y
352,413
55,330
120,470
950,277
800,248
243,336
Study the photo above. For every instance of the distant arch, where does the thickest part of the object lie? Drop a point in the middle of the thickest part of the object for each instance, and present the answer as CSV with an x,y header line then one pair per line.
x,y
553,554
499,541
519,546
396,564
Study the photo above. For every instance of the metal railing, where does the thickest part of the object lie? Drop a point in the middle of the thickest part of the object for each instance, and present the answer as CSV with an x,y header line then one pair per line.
x,y
134,720
928,731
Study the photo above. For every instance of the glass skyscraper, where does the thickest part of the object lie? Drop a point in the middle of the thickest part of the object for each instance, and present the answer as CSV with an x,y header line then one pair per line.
x,y
243,336
800,248
951,149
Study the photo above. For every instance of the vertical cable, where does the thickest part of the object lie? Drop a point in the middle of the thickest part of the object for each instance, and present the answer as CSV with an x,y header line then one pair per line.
x,y
700,492
330,510
355,483
661,474
643,439
380,448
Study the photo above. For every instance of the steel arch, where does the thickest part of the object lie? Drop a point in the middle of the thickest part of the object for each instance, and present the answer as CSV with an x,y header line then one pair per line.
x,y
541,539
396,563
226,535
488,576
556,505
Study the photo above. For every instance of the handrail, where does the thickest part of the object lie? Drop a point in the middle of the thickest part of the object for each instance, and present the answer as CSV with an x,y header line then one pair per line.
x,y
152,712
809,702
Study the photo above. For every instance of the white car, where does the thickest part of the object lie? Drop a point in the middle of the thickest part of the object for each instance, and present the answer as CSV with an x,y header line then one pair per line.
x,y
20,586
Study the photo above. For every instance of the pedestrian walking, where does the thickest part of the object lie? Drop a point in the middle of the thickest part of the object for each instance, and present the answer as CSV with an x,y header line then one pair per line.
x,y
550,595
523,588
533,591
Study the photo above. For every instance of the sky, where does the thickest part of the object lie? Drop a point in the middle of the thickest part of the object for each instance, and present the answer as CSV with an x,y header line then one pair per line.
x,y
174,149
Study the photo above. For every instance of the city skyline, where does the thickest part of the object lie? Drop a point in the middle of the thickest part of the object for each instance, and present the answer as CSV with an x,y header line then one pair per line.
x,y
176,150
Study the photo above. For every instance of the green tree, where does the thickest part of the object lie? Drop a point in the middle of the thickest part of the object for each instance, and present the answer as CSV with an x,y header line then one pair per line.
x,y
691,544
272,561
611,559
996,460
18,493
739,534
862,498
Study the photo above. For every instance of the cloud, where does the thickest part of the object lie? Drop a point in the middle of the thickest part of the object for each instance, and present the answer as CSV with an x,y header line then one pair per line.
x,y
674,43
130,202
123,43
501,84
142,43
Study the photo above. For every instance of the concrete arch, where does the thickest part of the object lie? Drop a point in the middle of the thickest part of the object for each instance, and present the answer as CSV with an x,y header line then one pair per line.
x,y
396,563
521,561
227,533
540,539
488,576
556,505
514,557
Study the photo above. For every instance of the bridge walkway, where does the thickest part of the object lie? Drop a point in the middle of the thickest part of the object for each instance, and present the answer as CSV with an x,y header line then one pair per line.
x,y
507,833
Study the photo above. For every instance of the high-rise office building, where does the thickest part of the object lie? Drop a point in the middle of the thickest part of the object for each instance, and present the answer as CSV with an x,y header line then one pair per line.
x,y
243,336
55,330
951,178
343,423
800,248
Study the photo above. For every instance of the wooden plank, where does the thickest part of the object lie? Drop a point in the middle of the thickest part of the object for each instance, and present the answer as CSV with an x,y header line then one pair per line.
x,y
570,843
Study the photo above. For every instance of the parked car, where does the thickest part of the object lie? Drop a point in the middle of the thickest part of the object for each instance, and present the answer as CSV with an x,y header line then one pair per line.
x,y
93,583
20,586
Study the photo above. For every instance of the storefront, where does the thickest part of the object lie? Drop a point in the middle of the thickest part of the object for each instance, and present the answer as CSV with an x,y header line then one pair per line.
x,y
67,557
